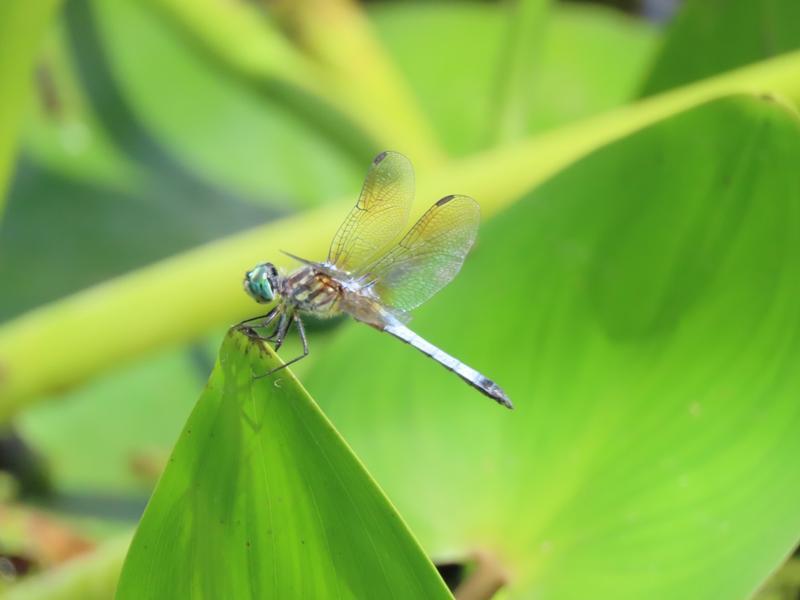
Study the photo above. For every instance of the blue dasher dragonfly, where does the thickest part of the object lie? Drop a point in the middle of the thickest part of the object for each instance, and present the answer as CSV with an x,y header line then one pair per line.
x,y
370,277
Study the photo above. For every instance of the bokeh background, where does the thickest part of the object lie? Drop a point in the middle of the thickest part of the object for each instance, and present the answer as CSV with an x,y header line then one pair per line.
x,y
140,132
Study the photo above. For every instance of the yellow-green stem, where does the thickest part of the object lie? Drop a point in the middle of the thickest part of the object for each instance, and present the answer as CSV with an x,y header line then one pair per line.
x,y
369,94
361,74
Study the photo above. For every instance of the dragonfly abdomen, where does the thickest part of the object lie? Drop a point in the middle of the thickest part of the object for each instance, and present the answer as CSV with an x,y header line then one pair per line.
x,y
477,380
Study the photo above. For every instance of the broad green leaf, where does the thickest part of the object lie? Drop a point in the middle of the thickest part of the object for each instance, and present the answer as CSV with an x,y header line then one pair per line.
x,y
594,60
22,26
263,499
711,36
589,60
517,67
134,413
641,311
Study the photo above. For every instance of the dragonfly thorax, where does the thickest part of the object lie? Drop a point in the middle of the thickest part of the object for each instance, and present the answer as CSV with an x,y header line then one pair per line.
x,y
313,289
262,283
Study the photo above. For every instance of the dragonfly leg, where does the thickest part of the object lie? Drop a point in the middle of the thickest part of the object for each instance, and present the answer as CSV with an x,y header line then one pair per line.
x,y
301,330
281,330
265,320
251,330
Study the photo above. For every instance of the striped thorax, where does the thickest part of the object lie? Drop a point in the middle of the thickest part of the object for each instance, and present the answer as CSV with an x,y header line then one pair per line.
x,y
311,290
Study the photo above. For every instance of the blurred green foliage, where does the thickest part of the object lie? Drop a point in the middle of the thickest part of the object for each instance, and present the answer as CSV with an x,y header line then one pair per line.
x,y
638,307
712,36
21,29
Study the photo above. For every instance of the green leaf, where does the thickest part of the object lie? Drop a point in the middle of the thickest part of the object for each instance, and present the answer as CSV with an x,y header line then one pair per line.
x,y
22,25
263,499
458,82
522,53
711,36
641,311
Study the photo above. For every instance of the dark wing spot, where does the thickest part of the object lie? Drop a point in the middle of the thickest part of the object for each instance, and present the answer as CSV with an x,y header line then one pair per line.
x,y
445,200
377,160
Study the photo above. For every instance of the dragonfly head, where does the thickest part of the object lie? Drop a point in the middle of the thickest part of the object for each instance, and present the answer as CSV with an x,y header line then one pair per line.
x,y
261,283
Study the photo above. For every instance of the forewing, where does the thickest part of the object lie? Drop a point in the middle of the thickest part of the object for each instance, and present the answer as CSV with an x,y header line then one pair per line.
x,y
378,217
429,256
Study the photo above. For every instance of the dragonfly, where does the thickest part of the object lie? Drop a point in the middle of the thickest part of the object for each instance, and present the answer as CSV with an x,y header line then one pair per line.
x,y
370,275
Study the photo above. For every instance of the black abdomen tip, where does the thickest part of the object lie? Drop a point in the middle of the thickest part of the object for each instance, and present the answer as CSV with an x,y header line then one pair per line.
x,y
504,400
495,392
499,396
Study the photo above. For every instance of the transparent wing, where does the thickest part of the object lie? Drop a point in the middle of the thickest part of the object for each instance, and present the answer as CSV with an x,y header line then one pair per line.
x,y
429,255
378,217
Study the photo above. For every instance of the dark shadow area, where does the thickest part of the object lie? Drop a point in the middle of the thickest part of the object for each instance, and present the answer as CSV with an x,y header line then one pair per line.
x,y
24,464
452,573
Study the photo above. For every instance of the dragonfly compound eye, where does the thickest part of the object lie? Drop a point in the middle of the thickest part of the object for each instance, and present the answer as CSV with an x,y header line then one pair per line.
x,y
258,284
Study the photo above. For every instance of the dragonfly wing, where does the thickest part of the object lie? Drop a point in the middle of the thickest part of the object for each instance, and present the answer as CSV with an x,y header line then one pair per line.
x,y
429,256
378,217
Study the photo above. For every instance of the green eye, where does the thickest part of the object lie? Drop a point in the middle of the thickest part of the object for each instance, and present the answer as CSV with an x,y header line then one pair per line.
x,y
265,290
258,283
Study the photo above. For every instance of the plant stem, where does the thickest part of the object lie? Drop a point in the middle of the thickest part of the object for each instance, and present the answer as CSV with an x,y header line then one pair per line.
x,y
347,86
338,35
